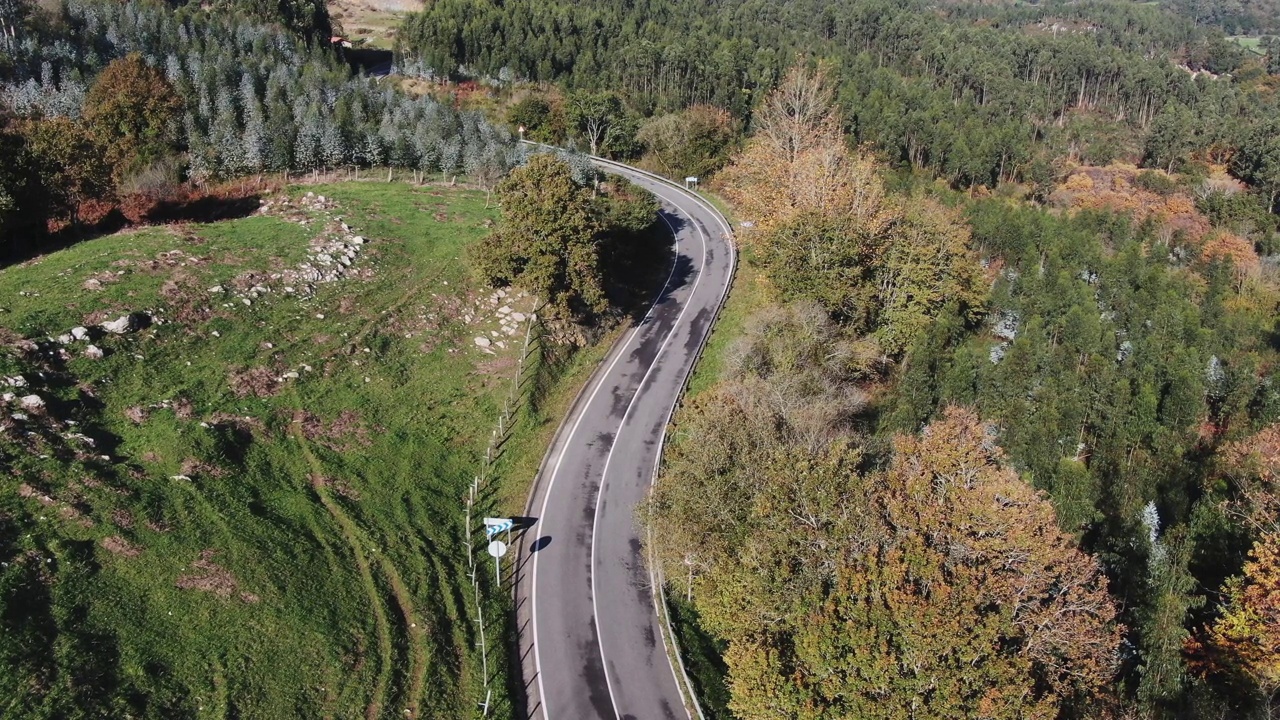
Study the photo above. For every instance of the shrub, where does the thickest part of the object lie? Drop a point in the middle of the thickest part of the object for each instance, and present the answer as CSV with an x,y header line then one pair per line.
x,y
1155,182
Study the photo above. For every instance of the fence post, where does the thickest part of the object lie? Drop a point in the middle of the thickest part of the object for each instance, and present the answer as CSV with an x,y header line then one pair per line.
x,y
504,419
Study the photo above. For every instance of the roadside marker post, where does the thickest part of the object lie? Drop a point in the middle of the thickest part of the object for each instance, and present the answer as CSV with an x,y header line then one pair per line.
x,y
497,549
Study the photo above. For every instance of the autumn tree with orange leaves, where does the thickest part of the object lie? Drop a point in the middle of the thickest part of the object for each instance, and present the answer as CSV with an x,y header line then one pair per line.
x,y
938,588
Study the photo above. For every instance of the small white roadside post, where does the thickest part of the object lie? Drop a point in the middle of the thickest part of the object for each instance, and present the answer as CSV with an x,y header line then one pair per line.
x,y
497,549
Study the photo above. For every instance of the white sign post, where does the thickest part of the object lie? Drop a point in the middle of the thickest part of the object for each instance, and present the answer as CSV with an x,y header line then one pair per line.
x,y
497,549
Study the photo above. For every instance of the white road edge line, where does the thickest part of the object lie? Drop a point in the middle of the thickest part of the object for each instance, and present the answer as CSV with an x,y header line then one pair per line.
x,y
533,590
655,580
604,474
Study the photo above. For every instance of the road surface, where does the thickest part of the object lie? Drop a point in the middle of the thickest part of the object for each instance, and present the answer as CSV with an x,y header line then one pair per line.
x,y
591,644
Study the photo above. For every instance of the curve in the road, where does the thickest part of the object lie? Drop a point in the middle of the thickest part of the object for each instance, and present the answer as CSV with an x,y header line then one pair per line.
x,y
591,642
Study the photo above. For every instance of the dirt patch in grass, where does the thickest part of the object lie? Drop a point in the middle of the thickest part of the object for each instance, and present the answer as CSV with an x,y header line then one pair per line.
x,y
26,491
346,432
208,576
122,518
117,545
338,485
499,365
191,467
260,382
97,280
183,409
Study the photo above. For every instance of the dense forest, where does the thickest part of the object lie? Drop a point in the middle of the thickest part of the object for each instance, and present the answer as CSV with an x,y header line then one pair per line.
x,y
978,94
981,457
205,97
1237,17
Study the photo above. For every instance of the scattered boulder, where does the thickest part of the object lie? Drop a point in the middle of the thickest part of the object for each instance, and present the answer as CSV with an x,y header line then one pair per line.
x,y
127,323
483,342
93,352
31,402
80,333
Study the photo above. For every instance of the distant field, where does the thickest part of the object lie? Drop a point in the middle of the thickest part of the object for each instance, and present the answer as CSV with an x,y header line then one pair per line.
x,y
252,509
1252,44
374,21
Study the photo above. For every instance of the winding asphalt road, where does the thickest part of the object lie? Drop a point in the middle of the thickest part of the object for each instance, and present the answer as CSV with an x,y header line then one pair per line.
x,y
591,642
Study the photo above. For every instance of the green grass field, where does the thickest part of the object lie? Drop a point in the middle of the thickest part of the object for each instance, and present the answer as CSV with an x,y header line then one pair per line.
x,y
239,541
1252,44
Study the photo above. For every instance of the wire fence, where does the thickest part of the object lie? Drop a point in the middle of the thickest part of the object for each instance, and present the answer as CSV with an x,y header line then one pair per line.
x,y
510,405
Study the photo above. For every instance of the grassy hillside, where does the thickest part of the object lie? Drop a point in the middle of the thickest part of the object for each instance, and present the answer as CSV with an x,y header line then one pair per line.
x,y
250,506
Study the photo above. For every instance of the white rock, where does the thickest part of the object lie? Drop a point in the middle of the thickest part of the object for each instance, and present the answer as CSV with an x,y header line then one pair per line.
x,y
344,260
319,316
357,240
19,416
16,381
518,317
504,310
121,325
483,342
215,333
215,289
80,333
291,375
65,339
31,402
246,301
93,352
180,477
501,345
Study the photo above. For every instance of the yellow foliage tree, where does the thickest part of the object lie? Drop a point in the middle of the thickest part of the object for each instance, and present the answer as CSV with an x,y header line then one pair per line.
x,y
1245,640
826,230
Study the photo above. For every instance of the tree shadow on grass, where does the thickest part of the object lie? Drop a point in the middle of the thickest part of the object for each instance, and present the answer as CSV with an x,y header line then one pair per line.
x,y
188,205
